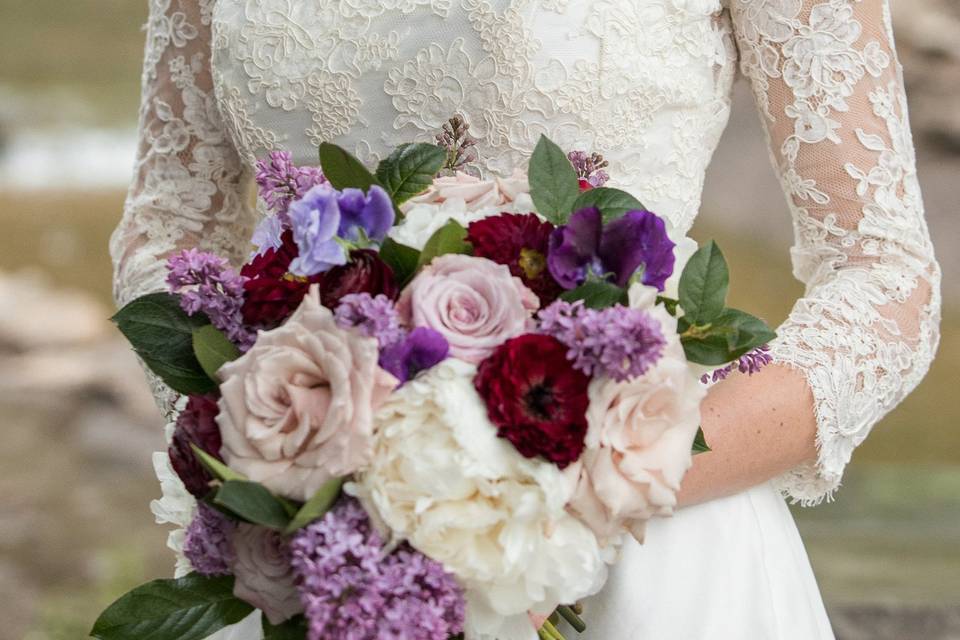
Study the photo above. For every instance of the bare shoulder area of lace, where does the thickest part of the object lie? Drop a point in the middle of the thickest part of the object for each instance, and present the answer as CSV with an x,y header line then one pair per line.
x,y
830,92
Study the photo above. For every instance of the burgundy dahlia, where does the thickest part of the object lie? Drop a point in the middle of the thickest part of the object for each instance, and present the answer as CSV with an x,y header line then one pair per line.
x,y
536,398
364,273
196,425
521,242
270,294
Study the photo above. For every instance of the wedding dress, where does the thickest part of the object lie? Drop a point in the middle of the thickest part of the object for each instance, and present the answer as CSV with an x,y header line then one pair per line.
x,y
647,83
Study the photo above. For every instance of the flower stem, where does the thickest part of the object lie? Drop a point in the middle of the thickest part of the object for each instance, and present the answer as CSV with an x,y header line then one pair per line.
x,y
572,618
552,632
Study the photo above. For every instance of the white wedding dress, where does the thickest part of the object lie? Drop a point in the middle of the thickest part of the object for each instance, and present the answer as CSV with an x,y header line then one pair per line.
x,y
647,83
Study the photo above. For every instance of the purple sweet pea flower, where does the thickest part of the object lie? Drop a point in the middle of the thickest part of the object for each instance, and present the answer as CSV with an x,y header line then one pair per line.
x,y
420,350
372,212
584,247
315,219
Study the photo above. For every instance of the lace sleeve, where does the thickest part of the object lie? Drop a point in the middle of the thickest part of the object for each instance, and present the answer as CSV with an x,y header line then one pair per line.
x,y
189,186
830,93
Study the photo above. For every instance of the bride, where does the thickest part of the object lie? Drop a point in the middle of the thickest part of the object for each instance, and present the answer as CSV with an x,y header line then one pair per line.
x,y
647,83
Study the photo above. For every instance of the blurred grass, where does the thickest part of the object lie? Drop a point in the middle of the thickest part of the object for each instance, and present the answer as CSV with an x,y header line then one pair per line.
x,y
79,60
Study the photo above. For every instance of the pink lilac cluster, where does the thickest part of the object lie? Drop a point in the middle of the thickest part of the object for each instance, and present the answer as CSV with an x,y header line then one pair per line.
x,y
590,168
749,363
206,283
374,316
281,182
618,342
351,591
208,542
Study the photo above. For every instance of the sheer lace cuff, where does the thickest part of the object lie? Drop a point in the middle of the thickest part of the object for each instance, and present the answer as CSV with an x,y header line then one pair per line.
x,y
830,93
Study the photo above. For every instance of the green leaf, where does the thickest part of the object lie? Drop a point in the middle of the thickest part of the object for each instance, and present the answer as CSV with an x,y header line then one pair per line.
x,y
343,170
703,285
596,295
410,169
732,334
216,468
317,506
450,238
189,608
747,332
669,304
254,503
700,443
553,181
293,629
401,258
613,203
162,335
213,349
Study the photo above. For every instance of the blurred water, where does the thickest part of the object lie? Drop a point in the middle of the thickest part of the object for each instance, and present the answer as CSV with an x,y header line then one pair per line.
x,y
67,159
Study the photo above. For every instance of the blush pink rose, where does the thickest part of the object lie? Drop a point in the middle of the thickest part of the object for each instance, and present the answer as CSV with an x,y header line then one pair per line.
x,y
297,409
638,445
264,575
474,303
476,193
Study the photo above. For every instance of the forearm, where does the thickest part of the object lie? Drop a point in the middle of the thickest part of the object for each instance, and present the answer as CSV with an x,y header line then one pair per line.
x,y
758,428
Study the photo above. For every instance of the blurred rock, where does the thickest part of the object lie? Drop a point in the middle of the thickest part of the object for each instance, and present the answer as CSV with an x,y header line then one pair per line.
x,y
34,315
928,41
896,623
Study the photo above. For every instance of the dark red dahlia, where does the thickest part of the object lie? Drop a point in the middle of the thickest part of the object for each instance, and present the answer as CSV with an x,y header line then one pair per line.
x,y
273,263
519,241
196,426
364,273
270,295
536,398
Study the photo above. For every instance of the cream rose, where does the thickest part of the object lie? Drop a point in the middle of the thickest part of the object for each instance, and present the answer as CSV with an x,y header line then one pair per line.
x,y
297,409
475,193
264,576
638,446
441,479
475,303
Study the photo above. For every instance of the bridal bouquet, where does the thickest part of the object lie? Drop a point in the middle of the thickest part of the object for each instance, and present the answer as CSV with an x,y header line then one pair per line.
x,y
429,404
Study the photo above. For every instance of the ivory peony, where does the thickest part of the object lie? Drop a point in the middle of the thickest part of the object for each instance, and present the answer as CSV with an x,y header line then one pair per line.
x,y
474,303
297,409
442,480
639,439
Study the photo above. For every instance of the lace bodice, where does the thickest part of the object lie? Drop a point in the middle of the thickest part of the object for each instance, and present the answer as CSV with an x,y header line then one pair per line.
x,y
645,82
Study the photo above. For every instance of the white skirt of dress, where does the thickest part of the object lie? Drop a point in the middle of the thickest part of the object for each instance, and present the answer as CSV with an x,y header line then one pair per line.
x,y
730,569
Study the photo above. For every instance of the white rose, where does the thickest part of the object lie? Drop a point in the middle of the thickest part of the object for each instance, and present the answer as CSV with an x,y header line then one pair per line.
x,y
441,479
639,440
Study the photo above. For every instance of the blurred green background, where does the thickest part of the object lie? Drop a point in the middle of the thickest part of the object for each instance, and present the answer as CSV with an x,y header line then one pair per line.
x,y
75,528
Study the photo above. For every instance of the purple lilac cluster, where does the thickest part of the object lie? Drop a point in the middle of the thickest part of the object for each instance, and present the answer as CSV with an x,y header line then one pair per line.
x,y
281,182
206,283
618,342
590,168
351,591
375,317
749,363
208,542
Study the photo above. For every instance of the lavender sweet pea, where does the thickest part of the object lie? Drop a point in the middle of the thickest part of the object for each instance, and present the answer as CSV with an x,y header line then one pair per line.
x,y
371,212
584,247
315,219
324,217
420,350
